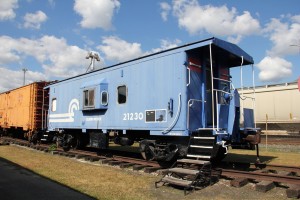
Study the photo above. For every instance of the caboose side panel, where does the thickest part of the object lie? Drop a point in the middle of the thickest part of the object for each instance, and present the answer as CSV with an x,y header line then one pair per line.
x,y
143,95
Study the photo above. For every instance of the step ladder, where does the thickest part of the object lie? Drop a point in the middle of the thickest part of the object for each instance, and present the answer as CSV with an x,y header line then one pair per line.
x,y
187,173
201,145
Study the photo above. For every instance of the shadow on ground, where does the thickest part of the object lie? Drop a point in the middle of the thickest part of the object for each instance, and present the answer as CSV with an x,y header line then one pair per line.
x,y
17,182
232,157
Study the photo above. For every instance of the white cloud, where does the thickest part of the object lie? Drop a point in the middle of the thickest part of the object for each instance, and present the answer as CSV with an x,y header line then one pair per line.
x,y
34,20
283,35
218,21
8,55
10,79
7,9
166,44
116,49
57,58
95,13
274,69
166,8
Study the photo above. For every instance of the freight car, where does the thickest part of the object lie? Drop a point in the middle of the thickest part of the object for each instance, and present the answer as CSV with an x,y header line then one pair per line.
x,y
271,111
178,102
21,110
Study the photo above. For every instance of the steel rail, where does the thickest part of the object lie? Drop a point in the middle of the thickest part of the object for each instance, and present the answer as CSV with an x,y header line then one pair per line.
x,y
261,176
295,169
87,153
135,161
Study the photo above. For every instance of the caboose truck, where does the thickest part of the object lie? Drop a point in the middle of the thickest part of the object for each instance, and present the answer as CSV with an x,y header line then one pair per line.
x,y
176,103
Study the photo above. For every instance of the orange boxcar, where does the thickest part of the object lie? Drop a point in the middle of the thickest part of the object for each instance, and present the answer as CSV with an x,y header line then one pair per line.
x,y
22,110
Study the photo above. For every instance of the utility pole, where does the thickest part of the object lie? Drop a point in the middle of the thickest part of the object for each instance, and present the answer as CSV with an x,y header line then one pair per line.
x,y
296,45
24,70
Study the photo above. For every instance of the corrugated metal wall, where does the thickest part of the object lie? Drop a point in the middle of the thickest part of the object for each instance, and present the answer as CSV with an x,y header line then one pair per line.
x,y
275,103
22,107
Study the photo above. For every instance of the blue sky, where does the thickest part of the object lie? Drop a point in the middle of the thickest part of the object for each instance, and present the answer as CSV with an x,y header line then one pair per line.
x,y
51,38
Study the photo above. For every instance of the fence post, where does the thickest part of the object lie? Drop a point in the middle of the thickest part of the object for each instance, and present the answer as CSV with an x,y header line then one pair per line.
x,y
266,131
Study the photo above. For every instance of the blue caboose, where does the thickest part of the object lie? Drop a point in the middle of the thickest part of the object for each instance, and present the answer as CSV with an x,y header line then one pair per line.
x,y
178,102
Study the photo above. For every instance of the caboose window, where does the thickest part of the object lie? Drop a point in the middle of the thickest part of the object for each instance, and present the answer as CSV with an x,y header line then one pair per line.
x,y
104,98
53,105
122,94
89,97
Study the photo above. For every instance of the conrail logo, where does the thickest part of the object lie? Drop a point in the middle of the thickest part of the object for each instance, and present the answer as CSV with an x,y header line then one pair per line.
x,y
66,117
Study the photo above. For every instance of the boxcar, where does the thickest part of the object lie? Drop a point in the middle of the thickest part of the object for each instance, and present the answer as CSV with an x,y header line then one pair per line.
x,y
21,110
178,102
277,106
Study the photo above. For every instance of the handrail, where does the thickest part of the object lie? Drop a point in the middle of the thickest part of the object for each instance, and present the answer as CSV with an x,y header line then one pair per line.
x,y
189,77
223,91
176,117
220,79
212,84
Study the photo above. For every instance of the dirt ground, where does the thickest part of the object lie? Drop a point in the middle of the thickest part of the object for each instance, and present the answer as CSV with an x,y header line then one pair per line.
x,y
221,190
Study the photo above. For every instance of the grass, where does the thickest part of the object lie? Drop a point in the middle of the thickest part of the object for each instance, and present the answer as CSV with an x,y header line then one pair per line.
x,y
101,182
270,155
106,182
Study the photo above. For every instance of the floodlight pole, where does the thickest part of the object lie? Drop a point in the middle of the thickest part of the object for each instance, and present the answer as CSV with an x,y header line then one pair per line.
x,y
93,56
24,70
296,45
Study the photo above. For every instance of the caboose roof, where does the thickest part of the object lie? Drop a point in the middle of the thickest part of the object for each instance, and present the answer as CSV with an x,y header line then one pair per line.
x,y
220,47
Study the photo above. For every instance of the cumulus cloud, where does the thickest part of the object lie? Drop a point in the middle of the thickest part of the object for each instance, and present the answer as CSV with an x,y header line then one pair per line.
x,y
34,20
7,8
274,69
57,58
218,21
119,50
166,8
283,33
166,44
10,79
95,13
7,55
116,49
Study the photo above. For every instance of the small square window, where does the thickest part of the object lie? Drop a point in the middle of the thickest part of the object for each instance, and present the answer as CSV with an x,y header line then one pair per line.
x,y
122,94
89,98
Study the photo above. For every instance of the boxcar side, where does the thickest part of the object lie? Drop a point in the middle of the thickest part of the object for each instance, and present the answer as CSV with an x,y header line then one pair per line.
x,y
21,109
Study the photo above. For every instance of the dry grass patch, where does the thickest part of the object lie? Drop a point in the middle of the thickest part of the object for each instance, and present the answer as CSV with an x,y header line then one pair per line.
x,y
271,157
102,182
106,182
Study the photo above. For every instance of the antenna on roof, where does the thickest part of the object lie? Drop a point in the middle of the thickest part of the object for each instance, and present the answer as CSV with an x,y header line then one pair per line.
x,y
93,56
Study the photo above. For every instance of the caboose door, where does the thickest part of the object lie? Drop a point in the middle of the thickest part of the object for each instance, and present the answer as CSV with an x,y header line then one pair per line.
x,y
195,87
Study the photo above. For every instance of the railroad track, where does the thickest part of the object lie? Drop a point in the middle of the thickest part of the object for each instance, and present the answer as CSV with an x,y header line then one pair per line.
x,y
280,139
265,176
109,157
